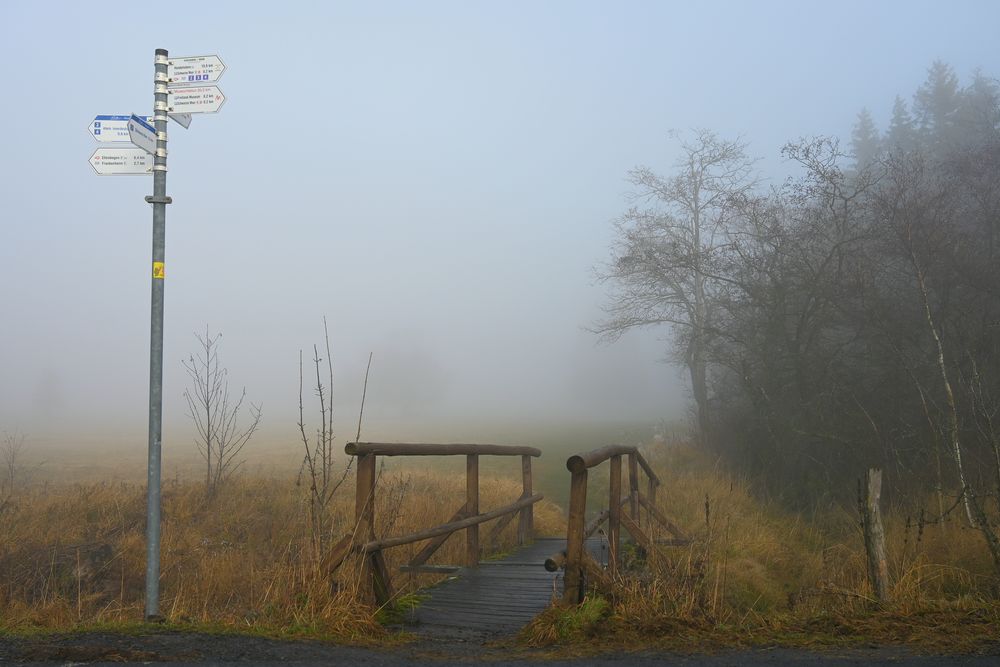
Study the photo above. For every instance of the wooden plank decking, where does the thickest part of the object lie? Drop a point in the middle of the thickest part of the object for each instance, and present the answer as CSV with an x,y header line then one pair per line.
x,y
497,598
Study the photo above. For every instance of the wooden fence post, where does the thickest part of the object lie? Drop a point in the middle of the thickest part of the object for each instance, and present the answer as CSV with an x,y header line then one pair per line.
x,y
573,585
633,487
526,520
871,521
614,514
472,506
364,517
364,500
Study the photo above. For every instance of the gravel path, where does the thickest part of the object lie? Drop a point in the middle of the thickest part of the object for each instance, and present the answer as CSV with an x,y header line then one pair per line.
x,y
177,648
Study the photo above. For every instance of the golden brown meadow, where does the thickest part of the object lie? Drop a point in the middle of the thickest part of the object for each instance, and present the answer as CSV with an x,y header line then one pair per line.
x,y
72,556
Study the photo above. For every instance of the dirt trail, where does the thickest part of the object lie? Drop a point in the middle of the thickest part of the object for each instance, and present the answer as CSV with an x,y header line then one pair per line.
x,y
178,648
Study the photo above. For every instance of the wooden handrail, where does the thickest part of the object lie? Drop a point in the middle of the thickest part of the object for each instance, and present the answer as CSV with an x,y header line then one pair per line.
x,y
420,449
581,462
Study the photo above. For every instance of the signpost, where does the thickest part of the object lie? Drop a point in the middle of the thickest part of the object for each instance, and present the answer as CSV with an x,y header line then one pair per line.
x,y
139,146
142,134
195,99
113,160
194,70
111,128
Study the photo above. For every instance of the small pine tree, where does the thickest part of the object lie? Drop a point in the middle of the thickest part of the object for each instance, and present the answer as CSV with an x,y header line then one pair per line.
x,y
936,105
864,139
977,119
901,135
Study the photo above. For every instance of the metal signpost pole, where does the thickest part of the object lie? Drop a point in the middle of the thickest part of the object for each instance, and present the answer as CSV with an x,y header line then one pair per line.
x,y
159,200
174,97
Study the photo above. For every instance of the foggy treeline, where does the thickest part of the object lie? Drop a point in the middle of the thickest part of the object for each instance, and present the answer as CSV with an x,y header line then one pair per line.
x,y
849,317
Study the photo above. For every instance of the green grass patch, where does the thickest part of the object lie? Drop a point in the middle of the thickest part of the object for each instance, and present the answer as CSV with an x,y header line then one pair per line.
x,y
398,610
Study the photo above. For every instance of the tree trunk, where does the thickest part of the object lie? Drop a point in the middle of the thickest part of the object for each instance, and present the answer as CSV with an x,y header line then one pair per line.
x,y
699,389
952,415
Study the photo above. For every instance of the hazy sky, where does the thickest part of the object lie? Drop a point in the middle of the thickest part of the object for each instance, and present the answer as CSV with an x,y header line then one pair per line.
x,y
437,178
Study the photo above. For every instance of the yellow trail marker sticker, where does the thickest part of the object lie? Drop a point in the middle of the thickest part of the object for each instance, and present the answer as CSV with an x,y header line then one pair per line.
x,y
158,270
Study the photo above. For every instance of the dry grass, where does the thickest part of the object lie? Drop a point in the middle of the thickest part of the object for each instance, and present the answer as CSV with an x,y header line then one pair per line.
x,y
757,573
74,555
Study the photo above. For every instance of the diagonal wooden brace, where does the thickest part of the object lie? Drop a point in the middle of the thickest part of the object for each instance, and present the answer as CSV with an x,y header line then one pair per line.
x,y
436,542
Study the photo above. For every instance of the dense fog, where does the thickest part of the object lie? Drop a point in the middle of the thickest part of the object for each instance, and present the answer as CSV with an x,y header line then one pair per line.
x,y
441,182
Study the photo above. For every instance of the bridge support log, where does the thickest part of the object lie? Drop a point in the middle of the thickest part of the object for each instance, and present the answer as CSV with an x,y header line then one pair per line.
x,y
436,543
633,486
526,520
364,520
573,578
638,534
374,573
472,506
669,525
614,514
498,529
381,581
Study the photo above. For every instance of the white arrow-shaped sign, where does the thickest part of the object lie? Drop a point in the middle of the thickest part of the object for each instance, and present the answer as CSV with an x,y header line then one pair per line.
x,y
142,134
196,70
195,99
109,160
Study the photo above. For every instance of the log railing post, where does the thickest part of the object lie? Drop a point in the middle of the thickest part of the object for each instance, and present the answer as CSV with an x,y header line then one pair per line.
x,y
573,584
526,520
364,503
472,506
633,487
364,515
614,516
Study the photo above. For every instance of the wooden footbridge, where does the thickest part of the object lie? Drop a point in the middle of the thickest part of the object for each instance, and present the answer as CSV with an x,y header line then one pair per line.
x,y
500,596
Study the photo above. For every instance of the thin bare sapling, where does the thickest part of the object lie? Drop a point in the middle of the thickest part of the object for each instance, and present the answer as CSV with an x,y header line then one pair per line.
x,y
221,434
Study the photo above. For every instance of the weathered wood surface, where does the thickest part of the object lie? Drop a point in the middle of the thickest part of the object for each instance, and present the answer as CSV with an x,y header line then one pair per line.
x,y
614,513
448,528
669,525
580,462
433,449
498,597
436,543
472,503
526,520
871,521
576,525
